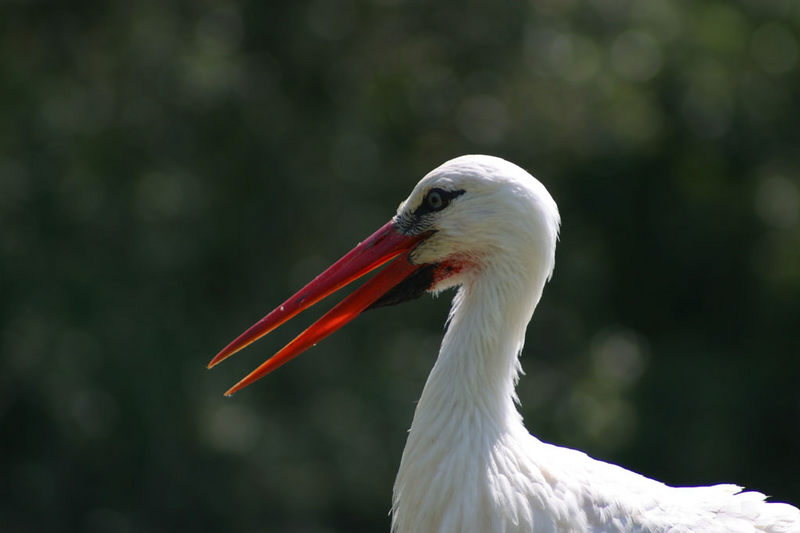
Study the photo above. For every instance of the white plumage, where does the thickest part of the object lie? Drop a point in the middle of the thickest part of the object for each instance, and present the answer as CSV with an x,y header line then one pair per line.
x,y
469,464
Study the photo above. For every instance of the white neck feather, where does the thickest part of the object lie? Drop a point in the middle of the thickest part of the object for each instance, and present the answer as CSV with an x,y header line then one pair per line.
x,y
467,406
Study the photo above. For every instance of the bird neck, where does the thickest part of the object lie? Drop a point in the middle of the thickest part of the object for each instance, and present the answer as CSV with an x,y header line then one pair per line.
x,y
466,414
477,368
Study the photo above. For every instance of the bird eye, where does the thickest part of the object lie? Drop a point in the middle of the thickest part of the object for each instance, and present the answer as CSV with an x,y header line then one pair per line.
x,y
436,200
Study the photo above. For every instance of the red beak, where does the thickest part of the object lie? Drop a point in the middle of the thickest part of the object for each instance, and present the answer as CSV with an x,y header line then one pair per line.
x,y
382,246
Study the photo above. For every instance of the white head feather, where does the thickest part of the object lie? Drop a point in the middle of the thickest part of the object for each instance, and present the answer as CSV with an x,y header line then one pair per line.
x,y
504,214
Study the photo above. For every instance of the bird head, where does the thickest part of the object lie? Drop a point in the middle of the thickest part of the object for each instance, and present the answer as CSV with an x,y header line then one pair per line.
x,y
479,212
472,215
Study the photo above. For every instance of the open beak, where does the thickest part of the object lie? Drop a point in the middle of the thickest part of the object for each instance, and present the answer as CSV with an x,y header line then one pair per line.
x,y
382,246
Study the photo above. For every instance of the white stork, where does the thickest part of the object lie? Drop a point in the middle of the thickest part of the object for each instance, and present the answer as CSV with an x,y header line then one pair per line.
x,y
469,465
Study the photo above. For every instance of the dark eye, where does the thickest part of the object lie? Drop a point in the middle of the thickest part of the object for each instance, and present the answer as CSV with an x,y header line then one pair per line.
x,y
436,200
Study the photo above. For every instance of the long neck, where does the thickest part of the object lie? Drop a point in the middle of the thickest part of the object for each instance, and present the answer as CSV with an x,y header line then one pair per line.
x,y
477,368
467,406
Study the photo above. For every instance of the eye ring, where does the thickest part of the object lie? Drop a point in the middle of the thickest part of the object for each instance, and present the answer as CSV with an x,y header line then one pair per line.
x,y
435,200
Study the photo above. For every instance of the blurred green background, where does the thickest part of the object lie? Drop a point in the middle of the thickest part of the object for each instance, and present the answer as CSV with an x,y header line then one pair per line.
x,y
170,171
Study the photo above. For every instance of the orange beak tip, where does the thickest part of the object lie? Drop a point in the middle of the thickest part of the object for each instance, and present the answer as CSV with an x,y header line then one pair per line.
x,y
214,362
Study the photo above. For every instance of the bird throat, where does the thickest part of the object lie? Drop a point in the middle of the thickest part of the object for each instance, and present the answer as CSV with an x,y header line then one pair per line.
x,y
466,412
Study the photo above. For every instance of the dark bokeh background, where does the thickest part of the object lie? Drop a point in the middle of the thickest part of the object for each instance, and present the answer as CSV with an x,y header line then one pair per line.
x,y
171,171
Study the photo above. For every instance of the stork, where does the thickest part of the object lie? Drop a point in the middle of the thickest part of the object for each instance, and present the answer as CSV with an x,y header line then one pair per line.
x,y
486,226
